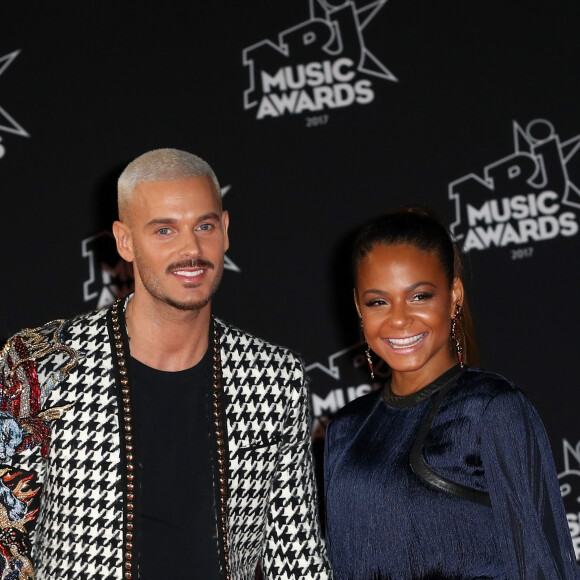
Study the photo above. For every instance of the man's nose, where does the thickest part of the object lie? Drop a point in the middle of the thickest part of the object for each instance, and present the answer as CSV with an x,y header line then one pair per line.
x,y
190,245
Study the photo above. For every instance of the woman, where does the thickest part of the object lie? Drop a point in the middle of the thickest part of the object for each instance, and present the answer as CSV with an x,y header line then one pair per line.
x,y
447,472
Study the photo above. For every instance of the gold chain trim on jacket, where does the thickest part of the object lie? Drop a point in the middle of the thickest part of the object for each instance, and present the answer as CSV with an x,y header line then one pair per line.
x,y
218,422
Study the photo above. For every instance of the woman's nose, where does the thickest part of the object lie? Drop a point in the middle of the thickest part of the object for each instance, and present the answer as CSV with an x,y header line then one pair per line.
x,y
400,316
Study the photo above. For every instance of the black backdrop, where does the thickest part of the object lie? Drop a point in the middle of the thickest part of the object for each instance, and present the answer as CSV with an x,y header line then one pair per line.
x,y
316,116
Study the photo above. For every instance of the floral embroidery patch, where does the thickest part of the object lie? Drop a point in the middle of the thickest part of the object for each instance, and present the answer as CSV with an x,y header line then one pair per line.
x,y
25,424
19,504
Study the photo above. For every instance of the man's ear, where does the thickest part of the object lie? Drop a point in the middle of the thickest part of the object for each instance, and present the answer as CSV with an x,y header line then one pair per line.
x,y
226,225
124,240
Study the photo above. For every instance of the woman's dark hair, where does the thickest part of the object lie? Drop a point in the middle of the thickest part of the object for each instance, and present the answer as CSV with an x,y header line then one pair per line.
x,y
421,228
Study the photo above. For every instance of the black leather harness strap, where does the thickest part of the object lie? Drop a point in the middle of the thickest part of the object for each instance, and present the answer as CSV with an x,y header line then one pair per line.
x,y
422,470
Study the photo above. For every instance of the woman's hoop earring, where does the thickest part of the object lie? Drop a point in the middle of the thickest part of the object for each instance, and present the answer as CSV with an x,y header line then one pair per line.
x,y
367,352
454,334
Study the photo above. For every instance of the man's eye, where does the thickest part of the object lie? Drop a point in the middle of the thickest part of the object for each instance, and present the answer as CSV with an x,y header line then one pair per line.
x,y
163,231
205,227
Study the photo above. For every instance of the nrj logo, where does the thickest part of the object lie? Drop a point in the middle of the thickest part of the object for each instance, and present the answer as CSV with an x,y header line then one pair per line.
x,y
570,490
345,378
319,64
531,195
109,275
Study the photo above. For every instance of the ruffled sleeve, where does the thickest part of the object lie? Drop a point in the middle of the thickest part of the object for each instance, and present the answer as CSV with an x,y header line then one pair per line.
x,y
533,533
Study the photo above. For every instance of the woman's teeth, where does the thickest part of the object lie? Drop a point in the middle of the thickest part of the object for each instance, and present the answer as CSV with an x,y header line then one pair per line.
x,y
406,342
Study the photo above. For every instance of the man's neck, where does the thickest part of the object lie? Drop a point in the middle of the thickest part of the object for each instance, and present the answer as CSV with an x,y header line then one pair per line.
x,y
165,338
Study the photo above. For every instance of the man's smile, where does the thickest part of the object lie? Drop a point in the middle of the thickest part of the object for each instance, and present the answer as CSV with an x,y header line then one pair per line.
x,y
189,273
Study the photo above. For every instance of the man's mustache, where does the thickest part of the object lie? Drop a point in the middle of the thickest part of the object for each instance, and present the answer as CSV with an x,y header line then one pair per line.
x,y
198,264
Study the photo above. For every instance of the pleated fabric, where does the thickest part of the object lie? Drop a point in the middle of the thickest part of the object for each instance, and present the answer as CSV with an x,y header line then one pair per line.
x,y
384,522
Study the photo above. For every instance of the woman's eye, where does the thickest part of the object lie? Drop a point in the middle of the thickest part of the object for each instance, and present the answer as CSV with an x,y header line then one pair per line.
x,y
375,302
422,296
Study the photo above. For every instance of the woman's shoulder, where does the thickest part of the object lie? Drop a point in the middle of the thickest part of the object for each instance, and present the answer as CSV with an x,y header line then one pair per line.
x,y
486,383
489,391
357,410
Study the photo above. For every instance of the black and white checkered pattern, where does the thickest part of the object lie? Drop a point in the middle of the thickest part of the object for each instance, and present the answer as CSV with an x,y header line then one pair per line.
x,y
271,502
78,533
272,506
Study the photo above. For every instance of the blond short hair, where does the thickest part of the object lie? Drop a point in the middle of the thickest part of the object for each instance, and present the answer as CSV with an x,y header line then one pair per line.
x,y
161,165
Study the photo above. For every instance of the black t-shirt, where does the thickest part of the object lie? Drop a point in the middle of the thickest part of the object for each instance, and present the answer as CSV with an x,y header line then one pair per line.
x,y
178,532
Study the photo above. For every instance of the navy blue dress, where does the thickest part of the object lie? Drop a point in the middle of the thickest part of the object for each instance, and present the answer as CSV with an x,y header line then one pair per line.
x,y
493,509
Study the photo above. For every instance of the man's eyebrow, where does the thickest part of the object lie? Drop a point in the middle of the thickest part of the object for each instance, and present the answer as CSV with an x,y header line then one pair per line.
x,y
161,221
170,221
208,216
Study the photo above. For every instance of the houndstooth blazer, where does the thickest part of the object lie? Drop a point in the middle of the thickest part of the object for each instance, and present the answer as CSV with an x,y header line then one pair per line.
x,y
68,492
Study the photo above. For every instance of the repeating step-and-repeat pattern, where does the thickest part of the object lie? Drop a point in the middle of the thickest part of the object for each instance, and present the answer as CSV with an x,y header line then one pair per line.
x,y
316,115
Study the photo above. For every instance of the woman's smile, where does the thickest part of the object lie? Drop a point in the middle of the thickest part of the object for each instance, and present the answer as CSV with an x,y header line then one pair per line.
x,y
406,342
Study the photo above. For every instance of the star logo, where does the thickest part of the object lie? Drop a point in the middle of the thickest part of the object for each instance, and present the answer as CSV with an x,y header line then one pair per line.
x,y
8,123
364,11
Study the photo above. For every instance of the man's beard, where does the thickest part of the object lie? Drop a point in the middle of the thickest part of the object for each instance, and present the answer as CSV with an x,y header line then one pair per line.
x,y
151,282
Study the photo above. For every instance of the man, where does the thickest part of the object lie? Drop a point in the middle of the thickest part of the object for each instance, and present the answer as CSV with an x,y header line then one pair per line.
x,y
150,440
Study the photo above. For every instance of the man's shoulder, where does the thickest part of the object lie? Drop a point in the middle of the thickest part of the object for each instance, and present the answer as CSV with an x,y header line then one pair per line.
x,y
61,329
232,335
271,372
246,355
48,353
91,319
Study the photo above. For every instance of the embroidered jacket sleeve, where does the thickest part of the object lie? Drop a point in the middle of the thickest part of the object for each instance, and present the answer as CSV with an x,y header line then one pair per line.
x,y
25,439
294,547
525,497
